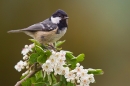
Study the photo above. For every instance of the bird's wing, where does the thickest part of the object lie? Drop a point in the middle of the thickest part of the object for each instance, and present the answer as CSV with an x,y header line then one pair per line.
x,y
42,26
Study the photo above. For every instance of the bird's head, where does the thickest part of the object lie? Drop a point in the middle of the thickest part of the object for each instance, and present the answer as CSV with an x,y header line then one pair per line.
x,y
58,16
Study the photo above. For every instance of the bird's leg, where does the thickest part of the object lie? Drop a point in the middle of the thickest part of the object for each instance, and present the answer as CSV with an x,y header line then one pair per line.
x,y
52,46
44,46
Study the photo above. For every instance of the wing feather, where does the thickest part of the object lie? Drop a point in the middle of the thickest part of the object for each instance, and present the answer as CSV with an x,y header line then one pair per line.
x,y
46,25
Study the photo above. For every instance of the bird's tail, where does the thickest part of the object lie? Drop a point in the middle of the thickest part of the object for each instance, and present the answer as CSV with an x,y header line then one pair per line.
x,y
14,31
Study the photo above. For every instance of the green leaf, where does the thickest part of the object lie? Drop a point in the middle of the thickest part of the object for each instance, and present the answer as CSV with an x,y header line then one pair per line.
x,y
54,80
38,75
59,43
69,56
71,60
42,59
57,84
35,41
33,79
27,82
80,57
33,58
63,80
39,50
49,79
95,71
39,84
73,63
48,53
45,79
70,84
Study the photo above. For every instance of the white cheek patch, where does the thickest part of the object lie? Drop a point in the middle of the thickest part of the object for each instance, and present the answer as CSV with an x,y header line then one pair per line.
x,y
55,20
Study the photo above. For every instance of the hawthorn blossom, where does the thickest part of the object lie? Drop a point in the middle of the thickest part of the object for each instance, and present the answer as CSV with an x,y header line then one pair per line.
x,y
47,68
25,57
56,64
31,46
85,81
19,66
91,78
27,49
70,76
58,70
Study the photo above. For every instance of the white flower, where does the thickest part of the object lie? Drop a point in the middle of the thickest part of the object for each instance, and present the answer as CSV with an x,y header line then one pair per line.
x,y
85,81
27,66
47,68
78,81
78,64
91,78
25,57
25,51
53,52
58,70
83,74
68,80
26,46
65,70
19,66
57,55
31,46
62,54
25,63
52,60
60,61
70,76
78,69
48,62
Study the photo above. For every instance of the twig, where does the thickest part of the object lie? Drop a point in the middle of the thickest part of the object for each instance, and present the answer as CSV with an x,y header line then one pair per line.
x,y
35,70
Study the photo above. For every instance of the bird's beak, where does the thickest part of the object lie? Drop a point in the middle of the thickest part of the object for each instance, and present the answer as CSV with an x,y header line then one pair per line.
x,y
66,17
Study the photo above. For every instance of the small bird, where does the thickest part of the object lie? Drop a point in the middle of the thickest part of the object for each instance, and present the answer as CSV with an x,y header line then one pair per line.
x,y
49,30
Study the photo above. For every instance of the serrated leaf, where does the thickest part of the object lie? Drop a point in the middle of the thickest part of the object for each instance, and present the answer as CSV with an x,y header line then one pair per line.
x,y
59,43
33,58
80,57
95,71
35,41
27,82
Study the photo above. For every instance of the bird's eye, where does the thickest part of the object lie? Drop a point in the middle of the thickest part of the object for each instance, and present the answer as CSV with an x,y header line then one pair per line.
x,y
59,15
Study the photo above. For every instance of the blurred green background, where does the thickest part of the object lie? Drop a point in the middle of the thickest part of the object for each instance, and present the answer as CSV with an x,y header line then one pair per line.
x,y
98,28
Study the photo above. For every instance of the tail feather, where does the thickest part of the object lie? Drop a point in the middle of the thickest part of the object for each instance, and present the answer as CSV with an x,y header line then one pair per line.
x,y
14,31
